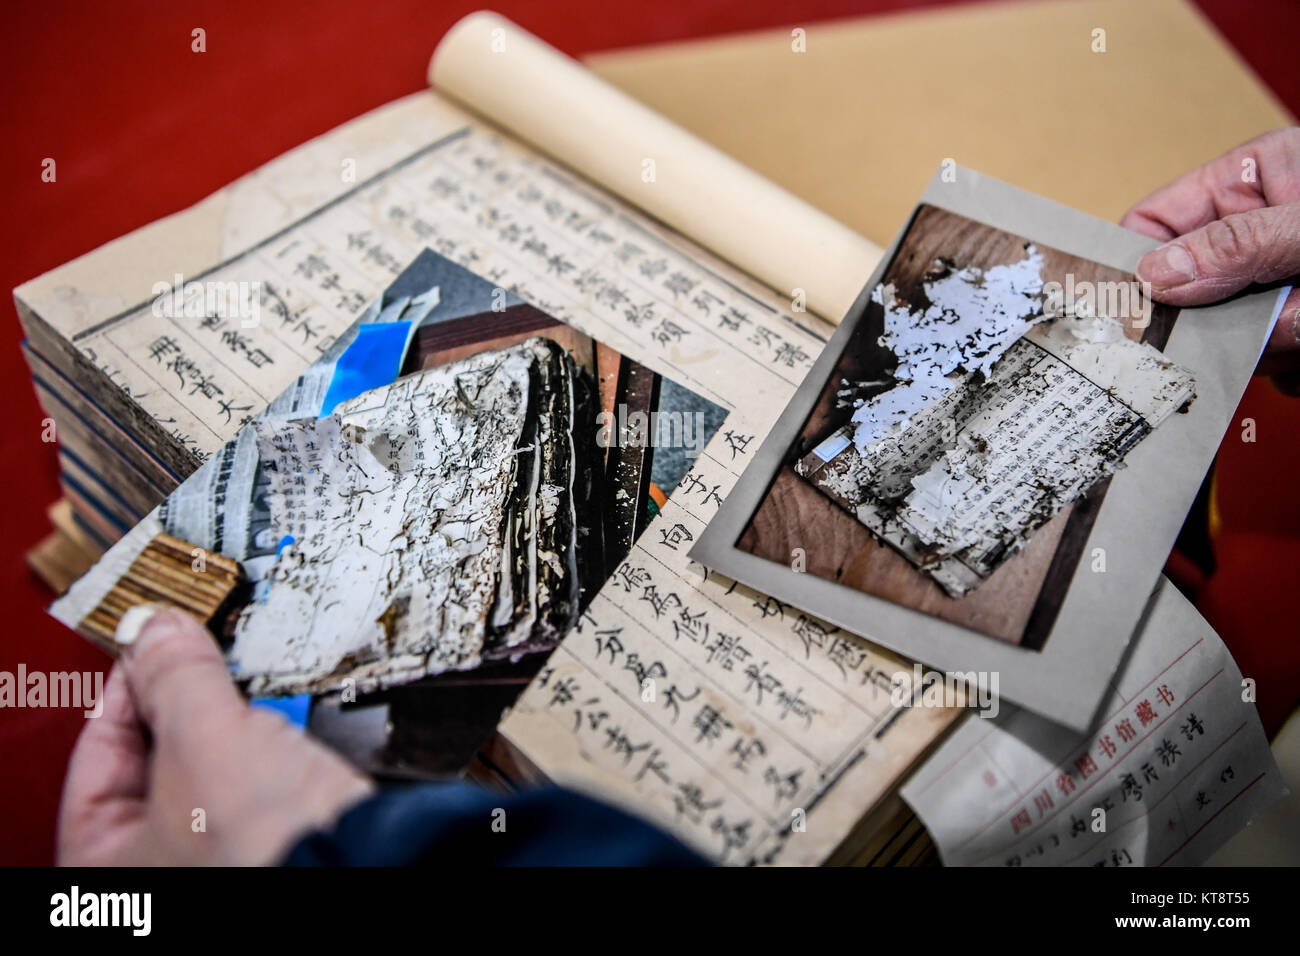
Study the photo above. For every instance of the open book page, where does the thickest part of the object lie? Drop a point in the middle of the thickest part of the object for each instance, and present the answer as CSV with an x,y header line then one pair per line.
x,y
473,195
794,734
552,102
1177,763
753,731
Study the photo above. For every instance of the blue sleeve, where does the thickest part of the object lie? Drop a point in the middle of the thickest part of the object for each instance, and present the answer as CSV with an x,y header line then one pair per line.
x,y
461,823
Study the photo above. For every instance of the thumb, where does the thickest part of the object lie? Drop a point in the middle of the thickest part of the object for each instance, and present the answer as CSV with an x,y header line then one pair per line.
x,y
175,671
1225,256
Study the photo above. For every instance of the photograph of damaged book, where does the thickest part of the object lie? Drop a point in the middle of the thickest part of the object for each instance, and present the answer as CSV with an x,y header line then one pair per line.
x,y
440,494
972,409
976,470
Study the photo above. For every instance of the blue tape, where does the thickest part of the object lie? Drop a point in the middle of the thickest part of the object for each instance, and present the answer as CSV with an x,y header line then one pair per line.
x,y
294,709
373,359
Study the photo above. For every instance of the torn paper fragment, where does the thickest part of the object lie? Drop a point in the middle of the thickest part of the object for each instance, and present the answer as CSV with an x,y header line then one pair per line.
x,y
1176,765
970,478
968,318
433,527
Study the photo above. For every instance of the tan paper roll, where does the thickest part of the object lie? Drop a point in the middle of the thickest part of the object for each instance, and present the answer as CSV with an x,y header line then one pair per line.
x,y
550,100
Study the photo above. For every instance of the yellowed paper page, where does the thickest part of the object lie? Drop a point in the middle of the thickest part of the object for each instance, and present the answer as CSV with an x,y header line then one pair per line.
x,y
569,113
752,731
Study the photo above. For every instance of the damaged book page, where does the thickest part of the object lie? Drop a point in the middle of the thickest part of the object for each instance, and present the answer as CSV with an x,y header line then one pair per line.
x,y
430,525
959,486
989,463
1177,765
442,490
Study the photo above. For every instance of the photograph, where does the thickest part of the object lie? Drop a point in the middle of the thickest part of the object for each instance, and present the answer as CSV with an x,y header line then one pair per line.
x,y
954,465
434,501
993,455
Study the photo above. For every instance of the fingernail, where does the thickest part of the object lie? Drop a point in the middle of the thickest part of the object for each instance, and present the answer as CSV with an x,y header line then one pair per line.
x,y
133,622
1167,267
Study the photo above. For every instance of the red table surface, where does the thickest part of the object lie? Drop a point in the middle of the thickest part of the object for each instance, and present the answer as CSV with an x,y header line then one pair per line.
x,y
141,127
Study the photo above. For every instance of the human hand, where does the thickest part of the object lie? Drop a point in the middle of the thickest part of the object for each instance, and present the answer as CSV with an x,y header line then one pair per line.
x,y
1232,222
176,738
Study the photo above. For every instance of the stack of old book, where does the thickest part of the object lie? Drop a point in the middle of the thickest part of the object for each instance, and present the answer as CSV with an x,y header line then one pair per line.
x,y
115,464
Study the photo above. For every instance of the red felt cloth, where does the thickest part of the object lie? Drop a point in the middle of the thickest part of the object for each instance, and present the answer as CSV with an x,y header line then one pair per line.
x,y
140,127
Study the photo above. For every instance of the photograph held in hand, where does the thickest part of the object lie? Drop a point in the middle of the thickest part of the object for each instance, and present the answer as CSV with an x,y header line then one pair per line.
x,y
988,464
973,424
442,493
